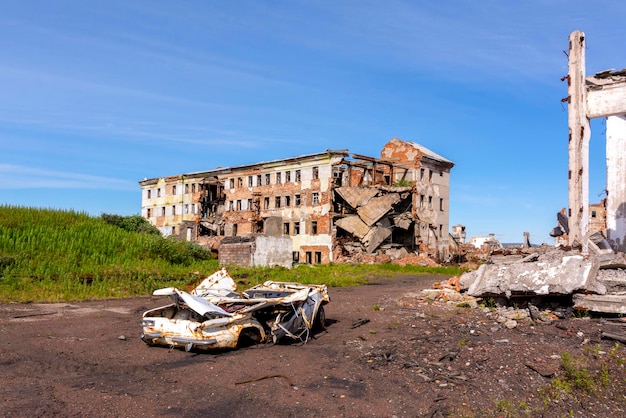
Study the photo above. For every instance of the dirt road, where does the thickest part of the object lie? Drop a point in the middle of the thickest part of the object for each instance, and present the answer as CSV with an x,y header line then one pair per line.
x,y
414,358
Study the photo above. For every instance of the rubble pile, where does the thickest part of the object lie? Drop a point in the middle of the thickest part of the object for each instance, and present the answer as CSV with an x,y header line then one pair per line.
x,y
415,260
370,214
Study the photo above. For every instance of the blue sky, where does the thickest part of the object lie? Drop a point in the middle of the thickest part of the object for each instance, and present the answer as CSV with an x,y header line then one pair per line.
x,y
97,95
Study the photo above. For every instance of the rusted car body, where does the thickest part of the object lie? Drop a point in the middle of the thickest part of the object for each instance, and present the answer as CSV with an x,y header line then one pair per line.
x,y
214,316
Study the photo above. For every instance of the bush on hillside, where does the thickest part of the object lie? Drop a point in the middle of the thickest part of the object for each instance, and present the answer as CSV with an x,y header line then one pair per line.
x,y
134,223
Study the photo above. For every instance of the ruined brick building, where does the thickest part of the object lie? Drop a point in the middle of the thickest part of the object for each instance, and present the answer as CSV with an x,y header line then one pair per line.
x,y
312,209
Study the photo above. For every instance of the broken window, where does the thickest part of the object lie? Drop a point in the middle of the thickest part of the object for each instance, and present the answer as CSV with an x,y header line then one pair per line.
x,y
316,198
266,203
277,202
173,210
286,228
258,180
231,205
158,192
239,182
593,214
267,179
297,176
287,176
278,181
422,174
238,204
318,257
249,204
149,193
234,230
186,188
296,228
430,202
232,183
250,181
296,256
193,187
313,227
174,189
163,211
287,201
421,201
316,173
296,200
309,259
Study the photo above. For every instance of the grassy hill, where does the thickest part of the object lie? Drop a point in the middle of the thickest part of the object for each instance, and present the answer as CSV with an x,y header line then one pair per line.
x,y
52,255
64,255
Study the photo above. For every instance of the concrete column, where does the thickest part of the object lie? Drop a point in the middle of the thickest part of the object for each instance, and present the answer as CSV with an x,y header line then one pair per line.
x,y
616,181
578,146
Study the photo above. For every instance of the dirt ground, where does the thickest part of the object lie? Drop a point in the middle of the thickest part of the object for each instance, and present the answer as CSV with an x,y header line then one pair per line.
x,y
386,352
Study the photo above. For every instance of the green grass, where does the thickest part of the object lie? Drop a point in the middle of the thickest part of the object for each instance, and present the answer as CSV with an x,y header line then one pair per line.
x,y
53,255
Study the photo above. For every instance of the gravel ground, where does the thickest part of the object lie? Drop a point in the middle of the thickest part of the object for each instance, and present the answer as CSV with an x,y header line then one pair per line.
x,y
387,351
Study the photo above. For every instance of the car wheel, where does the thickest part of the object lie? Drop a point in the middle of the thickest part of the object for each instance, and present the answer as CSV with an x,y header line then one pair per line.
x,y
248,337
320,319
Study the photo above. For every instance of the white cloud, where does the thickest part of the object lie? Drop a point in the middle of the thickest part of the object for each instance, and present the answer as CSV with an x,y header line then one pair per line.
x,y
23,177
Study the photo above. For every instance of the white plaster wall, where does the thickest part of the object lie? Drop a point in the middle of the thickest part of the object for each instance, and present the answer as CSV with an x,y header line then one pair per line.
x,y
616,180
273,251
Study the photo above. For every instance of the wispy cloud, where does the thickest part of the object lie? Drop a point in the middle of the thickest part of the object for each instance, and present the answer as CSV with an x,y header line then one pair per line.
x,y
23,177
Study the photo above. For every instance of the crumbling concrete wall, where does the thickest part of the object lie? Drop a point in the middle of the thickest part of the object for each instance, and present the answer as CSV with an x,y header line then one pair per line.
x,y
273,251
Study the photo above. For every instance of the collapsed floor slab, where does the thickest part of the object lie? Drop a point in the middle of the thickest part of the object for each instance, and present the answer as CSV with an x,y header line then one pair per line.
x,y
556,276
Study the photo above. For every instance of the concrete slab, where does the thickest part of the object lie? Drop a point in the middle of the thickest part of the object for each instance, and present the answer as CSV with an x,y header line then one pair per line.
x,y
562,276
601,303
377,208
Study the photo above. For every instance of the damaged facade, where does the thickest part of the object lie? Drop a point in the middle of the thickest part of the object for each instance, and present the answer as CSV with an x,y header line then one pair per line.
x,y
602,95
319,208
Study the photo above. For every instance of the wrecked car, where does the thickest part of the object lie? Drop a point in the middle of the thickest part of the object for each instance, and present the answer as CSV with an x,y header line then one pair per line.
x,y
215,316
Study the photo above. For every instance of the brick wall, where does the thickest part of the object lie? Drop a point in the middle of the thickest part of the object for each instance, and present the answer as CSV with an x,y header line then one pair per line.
x,y
236,253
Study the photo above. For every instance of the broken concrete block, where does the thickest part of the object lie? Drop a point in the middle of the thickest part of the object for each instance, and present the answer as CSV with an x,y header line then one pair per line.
x,y
404,220
376,237
552,277
354,225
601,303
356,196
377,208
